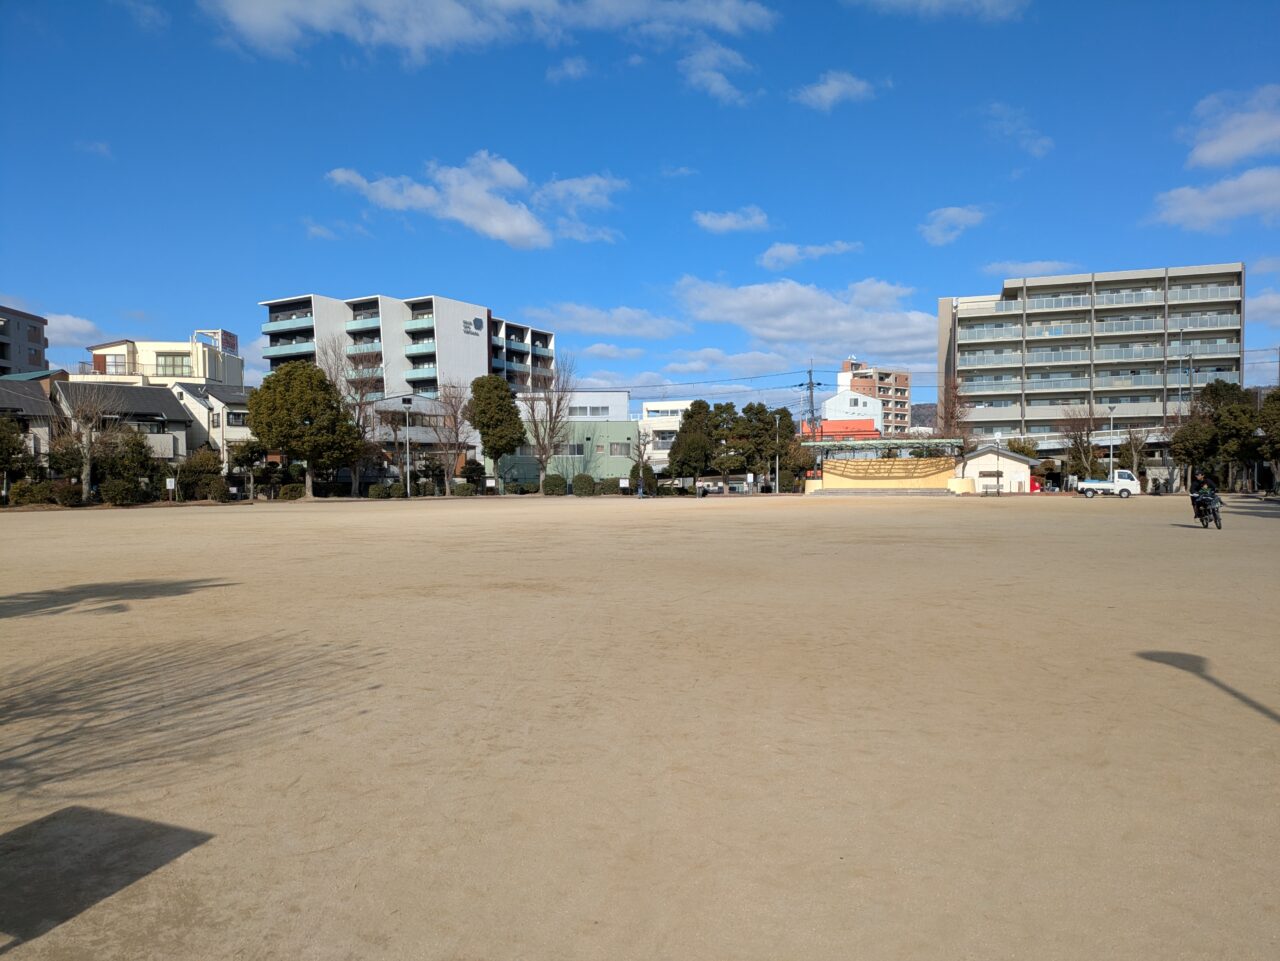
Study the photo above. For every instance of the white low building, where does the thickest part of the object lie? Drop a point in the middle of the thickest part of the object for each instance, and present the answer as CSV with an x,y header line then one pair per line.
x,y
660,421
996,470
209,357
219,416
852,405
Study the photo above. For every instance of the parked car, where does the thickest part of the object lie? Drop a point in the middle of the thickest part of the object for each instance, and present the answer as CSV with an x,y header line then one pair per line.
x,y
1122,483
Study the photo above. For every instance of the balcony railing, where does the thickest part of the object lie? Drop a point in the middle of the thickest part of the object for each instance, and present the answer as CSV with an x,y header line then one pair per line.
x,y
1057,330
1103,354
1007,307
1121,298
1057,383
518,345
427,372
1137,325
1010,359
1205,292
1202,350
300,349
543,351
1133,380
1056,356
286,324
420,323
423,348
364,373
1202,321
289,315
516,365
134,370
373,347
363,323
1010,332
1074,301
991,387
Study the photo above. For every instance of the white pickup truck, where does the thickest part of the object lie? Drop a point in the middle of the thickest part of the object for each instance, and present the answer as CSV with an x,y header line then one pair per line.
x,y
1122,484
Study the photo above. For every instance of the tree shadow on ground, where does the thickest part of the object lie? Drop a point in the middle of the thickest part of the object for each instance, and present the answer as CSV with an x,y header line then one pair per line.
x,y
55,868
88,724
1253,507
108,596
1198,666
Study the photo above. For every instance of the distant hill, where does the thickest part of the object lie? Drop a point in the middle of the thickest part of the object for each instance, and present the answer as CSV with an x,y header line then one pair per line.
x,y
923,415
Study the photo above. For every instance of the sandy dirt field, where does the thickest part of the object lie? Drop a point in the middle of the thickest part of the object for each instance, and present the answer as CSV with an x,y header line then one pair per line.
x,y
843,728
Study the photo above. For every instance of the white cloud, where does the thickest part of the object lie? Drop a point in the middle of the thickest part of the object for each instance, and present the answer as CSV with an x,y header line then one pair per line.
x,y
255,366
317,231
1254,193
707,69
985,9
669,171
945,224
868,317
99,147
418,28
1028,268
834,87
68,330
570,68
483,195
1264,308
616,321
1012,124
744,218
746,364
612,352
782,256
1234,128
614,380
1265,265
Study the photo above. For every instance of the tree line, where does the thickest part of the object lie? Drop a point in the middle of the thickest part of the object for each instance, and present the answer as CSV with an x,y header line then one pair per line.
x,y
720,440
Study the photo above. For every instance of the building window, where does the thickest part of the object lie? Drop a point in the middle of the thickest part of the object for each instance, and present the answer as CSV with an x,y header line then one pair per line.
x,y
173,365
570,450
599,448
620,450
115,364
237,419
148,427
33,355
216,420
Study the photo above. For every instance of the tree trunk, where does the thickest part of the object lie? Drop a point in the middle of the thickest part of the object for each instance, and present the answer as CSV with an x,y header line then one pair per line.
x,y
86,468
542,476
355,480
307,480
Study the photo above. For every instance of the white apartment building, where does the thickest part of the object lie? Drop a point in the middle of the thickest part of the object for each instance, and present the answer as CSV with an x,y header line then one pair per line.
x,y
1132,345
209,357
891,387
660,420
398,347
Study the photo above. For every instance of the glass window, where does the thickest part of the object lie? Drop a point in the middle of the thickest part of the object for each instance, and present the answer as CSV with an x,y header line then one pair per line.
x,y
235,419
216,420
173,365
620,450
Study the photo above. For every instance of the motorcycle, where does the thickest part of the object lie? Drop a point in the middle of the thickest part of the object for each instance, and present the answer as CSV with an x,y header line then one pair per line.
x,y
1208,507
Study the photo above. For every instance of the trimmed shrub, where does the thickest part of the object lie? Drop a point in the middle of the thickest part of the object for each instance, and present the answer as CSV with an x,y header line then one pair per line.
x,y
31,492
650,481
396,490
68,495
379,492
786,482
120,492
464,490
215,489
293,492
584,485
473,472
608,486
554,485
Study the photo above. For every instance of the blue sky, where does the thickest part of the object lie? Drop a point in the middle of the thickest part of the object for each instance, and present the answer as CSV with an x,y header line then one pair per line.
x,y
685,192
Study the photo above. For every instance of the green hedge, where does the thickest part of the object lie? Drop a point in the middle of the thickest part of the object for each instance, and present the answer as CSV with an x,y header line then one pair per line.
x,y
610,485
214,489
786,482
68,495
31,492
554,485
120,492
292,492
584,485
464,489
379,492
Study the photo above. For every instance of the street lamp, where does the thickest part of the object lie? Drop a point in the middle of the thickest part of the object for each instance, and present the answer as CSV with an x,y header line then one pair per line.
x,y
408,481
1111,445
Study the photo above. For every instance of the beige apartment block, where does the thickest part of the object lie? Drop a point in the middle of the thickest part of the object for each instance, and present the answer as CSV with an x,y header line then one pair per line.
x,y
1129,346
891,387
209,357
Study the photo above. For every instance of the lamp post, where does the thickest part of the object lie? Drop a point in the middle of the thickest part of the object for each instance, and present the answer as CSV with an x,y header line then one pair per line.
x,y
408,483
1111,442
777,450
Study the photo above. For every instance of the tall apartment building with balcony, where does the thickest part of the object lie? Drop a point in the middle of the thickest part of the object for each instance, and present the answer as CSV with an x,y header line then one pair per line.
x,y
1138,341
399,347
891,387
22,341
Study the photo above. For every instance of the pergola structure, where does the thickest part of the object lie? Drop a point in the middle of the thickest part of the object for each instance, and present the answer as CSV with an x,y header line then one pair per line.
x,y
857,449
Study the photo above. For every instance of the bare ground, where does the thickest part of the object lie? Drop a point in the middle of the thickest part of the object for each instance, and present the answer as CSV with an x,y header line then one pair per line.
x,y
879,728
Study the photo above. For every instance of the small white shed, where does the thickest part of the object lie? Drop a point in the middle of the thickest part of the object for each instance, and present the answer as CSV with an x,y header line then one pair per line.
x,y
995,470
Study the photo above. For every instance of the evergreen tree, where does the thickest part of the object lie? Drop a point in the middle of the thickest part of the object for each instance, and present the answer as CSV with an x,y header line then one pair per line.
x,y
298,412
492,411
693,447
15,460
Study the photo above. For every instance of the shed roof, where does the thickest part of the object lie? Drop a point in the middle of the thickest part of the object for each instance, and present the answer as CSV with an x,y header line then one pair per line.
x,y
26,398
126,399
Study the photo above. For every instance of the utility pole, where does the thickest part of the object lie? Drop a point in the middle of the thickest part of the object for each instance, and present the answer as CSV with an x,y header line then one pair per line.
x,y
814,423
777,450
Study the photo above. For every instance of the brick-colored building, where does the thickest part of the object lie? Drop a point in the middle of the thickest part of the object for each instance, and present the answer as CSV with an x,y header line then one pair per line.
x,y
891,387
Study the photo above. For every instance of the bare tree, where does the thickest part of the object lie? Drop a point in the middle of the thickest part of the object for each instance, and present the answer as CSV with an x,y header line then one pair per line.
x,y
92,412
640,455
1079,424
545,407
360,384
453,433
952,419
1133,446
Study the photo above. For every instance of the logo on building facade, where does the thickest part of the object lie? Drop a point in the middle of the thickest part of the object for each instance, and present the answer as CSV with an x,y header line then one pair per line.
x,y
472,327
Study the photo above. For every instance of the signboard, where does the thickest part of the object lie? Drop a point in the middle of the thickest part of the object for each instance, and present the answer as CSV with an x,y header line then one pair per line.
x,y
233,490
490,482
990,473
228,342
624,483
751,478
170,483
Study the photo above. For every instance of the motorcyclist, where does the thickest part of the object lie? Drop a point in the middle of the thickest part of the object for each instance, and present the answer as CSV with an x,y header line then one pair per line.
x,y
1201,487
